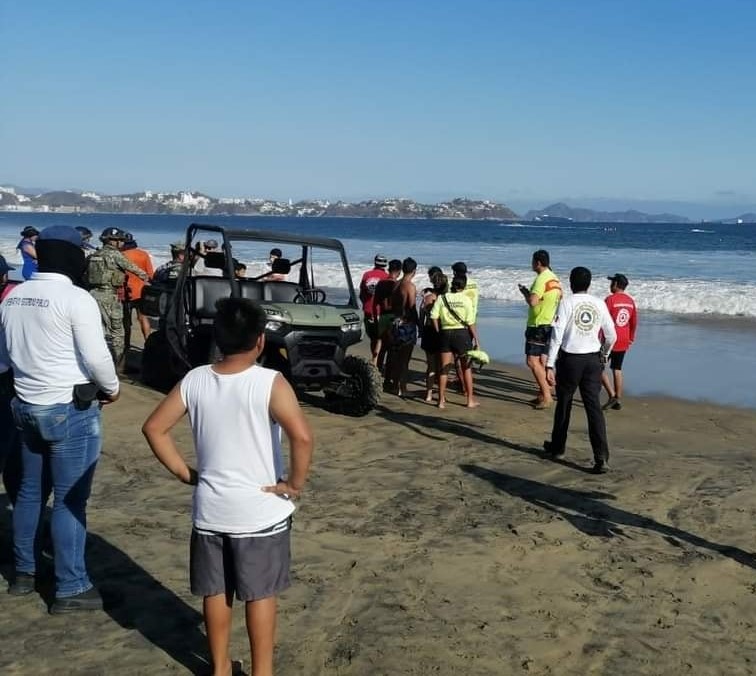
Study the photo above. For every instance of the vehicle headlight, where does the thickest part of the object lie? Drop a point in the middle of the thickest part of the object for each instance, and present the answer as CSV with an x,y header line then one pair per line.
x,y
274,325
352,322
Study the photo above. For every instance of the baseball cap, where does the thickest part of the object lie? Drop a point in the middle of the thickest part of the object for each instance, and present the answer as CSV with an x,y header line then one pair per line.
x,y
61,233
459,268
29,231
4,267
211,244
380,261
275,252
178,245
619,279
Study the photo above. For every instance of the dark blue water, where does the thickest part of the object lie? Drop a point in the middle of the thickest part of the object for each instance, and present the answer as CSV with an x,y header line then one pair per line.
x,y
656,236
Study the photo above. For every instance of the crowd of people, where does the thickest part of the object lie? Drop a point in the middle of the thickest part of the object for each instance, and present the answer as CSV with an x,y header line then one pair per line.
x,y
568,339
57,371
443,320
60,340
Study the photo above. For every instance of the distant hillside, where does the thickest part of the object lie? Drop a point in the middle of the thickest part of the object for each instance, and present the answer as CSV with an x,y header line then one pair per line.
x,y
192,202
561,210
744,218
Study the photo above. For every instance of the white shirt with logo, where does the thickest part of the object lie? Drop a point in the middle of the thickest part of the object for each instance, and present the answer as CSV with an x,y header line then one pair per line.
x,y
582,325
238,450
51,335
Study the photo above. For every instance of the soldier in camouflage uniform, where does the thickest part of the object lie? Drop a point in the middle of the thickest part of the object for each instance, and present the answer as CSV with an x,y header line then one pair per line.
x,y
169,272
106,271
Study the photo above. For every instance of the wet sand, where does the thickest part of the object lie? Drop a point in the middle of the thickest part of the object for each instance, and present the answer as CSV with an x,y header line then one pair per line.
x,y
436,542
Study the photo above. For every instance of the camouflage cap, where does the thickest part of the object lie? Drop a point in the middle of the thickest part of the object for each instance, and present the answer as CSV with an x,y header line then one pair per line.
x,y
178,245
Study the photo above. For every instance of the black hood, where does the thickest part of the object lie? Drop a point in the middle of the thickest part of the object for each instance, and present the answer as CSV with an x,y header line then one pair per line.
x,y
54,255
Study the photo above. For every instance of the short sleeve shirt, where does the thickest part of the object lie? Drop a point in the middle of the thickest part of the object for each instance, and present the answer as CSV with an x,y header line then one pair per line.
x,y
547,287
458,302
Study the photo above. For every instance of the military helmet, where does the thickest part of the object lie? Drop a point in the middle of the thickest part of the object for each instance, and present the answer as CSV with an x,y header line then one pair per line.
x,y
112,234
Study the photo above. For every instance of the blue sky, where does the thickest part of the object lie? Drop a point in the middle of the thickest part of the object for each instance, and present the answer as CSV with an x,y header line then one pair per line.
x,y
599,102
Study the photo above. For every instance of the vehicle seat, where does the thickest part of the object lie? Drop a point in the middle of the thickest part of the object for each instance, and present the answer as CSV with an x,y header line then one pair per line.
x,y
203,292
281,292
251,289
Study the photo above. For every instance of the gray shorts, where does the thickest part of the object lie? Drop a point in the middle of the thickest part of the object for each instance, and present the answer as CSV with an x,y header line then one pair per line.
x,y
251,568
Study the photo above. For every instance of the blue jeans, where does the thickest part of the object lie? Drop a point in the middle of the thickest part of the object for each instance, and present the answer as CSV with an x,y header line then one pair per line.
x,y
61,445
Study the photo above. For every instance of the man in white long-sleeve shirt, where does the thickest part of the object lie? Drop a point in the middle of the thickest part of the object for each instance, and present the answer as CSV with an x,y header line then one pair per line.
x,y
582,339
51,336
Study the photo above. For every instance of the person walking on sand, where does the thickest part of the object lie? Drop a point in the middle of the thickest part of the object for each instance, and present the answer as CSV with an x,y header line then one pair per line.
x,y
242,502
368,283
625,316
51,336
542,298
452,314
583,338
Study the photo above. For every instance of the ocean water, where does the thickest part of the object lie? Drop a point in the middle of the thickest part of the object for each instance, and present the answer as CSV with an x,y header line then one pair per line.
x,y
695,285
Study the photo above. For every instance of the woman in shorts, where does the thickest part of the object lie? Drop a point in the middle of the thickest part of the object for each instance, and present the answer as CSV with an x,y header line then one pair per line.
x,y
453,316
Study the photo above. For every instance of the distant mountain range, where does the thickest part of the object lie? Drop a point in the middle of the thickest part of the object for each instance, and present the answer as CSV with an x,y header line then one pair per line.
x,y
17,199
562,212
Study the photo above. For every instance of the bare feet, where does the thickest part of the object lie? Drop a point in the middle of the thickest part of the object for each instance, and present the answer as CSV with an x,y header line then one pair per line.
x,y
473,404
428,398
441,403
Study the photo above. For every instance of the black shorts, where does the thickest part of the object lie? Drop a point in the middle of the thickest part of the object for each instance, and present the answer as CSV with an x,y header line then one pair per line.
x,y
431,339
615,360
537,340
456,341
371,328
252,568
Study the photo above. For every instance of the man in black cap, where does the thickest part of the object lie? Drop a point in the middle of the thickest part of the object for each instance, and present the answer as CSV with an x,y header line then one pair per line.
x,y
51,336
368,283
625,316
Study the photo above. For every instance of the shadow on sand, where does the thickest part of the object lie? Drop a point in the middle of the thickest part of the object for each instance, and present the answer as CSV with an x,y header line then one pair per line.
x,y
587,512
134,599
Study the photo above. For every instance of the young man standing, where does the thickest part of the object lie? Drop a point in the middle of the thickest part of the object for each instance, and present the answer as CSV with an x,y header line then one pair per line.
x,y
383,309
242,502
542,299
403,328
583,337
368,283
625,316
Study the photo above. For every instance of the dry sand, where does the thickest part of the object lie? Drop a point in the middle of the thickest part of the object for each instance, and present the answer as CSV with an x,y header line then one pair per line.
x,y
441,543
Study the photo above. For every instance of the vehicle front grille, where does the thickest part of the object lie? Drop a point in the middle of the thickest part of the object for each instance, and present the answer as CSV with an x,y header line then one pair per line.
x,y
317,350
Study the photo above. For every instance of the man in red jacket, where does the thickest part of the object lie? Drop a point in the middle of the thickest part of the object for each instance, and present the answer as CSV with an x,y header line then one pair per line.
x,y
625,316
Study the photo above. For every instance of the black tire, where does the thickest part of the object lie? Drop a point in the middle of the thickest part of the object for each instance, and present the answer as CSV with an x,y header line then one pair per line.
x,y
365,383
157,361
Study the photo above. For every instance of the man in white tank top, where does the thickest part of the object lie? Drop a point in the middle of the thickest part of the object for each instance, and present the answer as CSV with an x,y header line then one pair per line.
x,y
242,502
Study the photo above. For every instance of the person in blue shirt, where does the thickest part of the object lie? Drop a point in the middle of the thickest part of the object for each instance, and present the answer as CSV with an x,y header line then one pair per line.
x,y
28,249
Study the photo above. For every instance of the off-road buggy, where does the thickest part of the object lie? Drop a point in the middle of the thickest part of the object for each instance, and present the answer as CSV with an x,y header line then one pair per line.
x,y
309,326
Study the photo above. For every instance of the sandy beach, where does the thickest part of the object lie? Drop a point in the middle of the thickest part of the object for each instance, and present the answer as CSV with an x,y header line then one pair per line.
x,y
440,542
